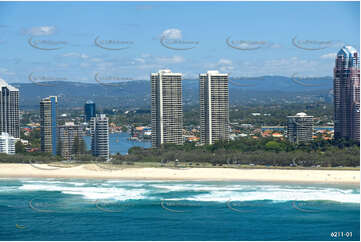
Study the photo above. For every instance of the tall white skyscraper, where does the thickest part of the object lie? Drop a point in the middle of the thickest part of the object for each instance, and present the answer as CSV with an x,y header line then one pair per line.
x,y
100,136
214,107
167,113
9,109
48,123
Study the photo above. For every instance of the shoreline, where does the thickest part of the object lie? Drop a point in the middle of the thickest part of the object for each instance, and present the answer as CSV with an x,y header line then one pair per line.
x,y
93,171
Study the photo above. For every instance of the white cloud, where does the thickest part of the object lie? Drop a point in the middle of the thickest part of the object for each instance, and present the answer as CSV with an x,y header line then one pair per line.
x,y
329,56
147,59
41,30
172,34
224,62
140,60
223,65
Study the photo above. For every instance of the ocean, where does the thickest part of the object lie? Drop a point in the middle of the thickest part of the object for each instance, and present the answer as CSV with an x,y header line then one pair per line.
x,y
79,209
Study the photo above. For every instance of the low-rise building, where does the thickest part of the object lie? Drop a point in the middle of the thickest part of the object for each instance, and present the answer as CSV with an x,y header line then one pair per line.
x,y
7,143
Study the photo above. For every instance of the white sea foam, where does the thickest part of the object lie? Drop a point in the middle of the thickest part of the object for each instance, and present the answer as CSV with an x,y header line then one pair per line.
x,y
336,195
55,182
93,192
217,193
202,192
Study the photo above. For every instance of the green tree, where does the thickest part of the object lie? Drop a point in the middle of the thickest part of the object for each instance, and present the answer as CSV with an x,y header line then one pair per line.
x,y
273,145
78,146
19,148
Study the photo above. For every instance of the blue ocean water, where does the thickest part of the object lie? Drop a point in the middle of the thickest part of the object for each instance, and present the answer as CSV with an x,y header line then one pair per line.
x,y
119,142
78,209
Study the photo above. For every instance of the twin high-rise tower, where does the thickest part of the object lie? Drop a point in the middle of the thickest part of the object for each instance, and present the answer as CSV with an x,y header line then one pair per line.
x,y
167,111
347,94
214,107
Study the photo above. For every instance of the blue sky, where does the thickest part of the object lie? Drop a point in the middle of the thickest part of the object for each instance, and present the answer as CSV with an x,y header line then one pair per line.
x,y
187,37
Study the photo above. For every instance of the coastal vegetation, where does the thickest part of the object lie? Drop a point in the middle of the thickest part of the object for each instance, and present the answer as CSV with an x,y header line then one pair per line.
x,y
249,151
242,152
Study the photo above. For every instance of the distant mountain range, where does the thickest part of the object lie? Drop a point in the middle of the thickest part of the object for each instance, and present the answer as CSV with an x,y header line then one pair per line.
x,y
136,94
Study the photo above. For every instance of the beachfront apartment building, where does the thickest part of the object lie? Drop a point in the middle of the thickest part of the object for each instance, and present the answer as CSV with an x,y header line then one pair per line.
x,y
69,135
99,129
7,143
214,107
300,128
346,86
167,113
48,121
9,109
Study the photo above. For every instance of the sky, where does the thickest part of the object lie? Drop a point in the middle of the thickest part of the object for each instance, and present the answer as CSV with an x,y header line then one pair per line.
x,y
121,41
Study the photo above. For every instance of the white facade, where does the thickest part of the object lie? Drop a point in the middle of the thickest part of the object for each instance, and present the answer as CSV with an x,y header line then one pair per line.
x,y
100,136
214,107
7,144
167,111
9,109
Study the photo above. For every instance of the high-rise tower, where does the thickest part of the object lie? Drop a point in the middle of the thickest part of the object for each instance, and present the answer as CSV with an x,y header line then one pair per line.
x,y
167,113
214,107
100,136
89,110
9,109
48,124
346,88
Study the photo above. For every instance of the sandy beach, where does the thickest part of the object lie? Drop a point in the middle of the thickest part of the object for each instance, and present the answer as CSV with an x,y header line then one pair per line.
x,y
93,171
